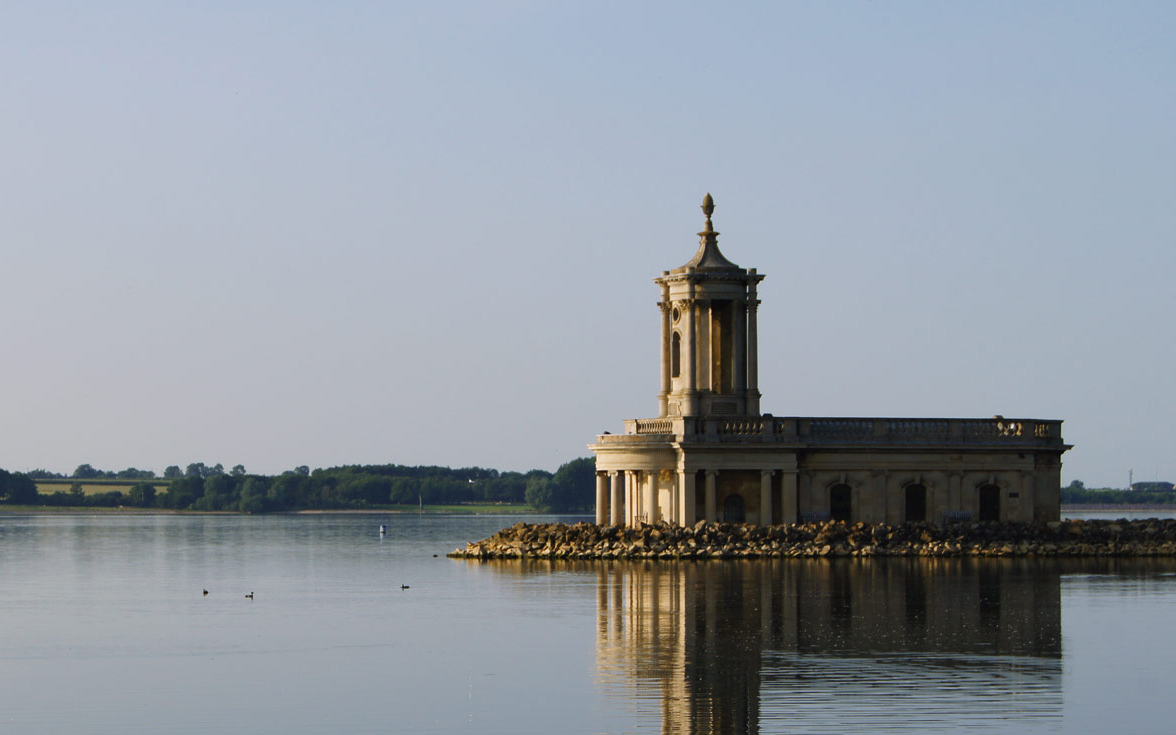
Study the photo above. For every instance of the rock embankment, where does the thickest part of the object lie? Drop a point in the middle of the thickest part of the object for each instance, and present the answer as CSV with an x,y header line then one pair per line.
x,y
1152,537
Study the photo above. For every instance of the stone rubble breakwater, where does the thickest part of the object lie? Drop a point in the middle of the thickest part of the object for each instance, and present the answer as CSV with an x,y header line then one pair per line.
x,y
704,540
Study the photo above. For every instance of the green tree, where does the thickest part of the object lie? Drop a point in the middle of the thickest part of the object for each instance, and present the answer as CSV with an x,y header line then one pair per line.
x,y
574,485
196,469
141,495
18,489
539,494
173,472
254,497
86,472
238,470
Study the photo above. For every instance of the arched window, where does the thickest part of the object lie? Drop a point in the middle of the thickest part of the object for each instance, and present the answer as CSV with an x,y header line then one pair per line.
x,y
734,509
989,503
676,355
916,502
841,502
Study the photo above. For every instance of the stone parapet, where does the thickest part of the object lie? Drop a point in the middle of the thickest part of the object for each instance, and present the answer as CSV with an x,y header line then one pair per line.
x,y
1151,537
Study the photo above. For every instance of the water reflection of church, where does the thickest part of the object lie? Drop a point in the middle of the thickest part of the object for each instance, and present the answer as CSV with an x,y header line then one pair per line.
x,y
710,453
730,645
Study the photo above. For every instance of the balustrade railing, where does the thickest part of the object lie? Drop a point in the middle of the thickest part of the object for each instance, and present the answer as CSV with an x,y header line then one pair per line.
x,y
655,426
830,431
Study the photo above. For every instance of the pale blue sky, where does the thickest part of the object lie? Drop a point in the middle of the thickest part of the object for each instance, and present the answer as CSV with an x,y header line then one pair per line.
x,y
332,233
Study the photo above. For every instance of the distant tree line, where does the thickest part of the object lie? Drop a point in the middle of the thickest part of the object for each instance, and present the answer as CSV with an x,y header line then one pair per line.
x,y
1076,493
203,487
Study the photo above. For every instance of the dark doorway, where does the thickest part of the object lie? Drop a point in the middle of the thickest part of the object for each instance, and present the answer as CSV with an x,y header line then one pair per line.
x,y
916,502
734,509
840,502
990,503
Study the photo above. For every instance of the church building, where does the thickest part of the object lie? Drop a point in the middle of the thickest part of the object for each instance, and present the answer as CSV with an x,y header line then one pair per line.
x,y
710,454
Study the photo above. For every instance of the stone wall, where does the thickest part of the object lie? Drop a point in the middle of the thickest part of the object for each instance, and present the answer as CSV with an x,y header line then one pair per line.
x,y
1152,537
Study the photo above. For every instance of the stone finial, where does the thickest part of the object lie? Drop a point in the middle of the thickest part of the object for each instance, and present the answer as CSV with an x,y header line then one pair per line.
x,y
708,208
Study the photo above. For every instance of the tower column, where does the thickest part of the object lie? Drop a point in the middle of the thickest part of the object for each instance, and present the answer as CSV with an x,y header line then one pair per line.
x,y
753,394
666,347
615,515
690,353
739,370
711,514
601,499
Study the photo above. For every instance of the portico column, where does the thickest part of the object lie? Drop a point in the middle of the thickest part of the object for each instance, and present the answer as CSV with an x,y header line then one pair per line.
x,y
601,499
711,515
632,498
648,483
615,508
766,497
686,483
788,509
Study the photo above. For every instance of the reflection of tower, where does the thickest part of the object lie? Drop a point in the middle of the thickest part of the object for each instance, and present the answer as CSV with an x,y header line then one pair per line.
x,y
726,644
682,627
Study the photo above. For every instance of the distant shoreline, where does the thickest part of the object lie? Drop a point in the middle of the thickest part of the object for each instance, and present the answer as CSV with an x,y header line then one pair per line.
x,y
132,510
1118,506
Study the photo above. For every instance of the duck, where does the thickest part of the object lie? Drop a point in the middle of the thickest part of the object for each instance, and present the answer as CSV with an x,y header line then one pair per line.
x,y
249,596
206,593
404,586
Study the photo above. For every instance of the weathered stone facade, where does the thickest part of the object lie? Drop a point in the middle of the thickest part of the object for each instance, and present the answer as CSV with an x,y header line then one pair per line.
x,y
711,455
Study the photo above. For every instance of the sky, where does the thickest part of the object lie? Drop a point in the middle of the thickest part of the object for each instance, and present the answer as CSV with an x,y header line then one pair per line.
x,y
287,233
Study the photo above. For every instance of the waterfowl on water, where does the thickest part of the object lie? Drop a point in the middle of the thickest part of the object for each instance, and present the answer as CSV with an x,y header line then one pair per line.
x,y
249,596
404,586
206,593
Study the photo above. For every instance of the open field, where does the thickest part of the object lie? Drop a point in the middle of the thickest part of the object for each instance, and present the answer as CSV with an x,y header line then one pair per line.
x,y
95,487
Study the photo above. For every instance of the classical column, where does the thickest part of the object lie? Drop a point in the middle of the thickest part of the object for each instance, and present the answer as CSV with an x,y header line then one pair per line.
x,y
666,347
601,499
632,498
616,507
672,513
789,491
753,394
704,368
711,514
686,483
689,354
739,370
649,486
766,497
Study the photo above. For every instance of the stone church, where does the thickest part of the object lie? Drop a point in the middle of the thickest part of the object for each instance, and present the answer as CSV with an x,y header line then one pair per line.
x,y
711,454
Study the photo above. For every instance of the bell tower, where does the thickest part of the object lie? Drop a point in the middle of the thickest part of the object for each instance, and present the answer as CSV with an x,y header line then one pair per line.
x,y
709,345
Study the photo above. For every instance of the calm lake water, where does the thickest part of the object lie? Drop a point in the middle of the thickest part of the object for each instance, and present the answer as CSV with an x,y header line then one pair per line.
x,y
104,628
